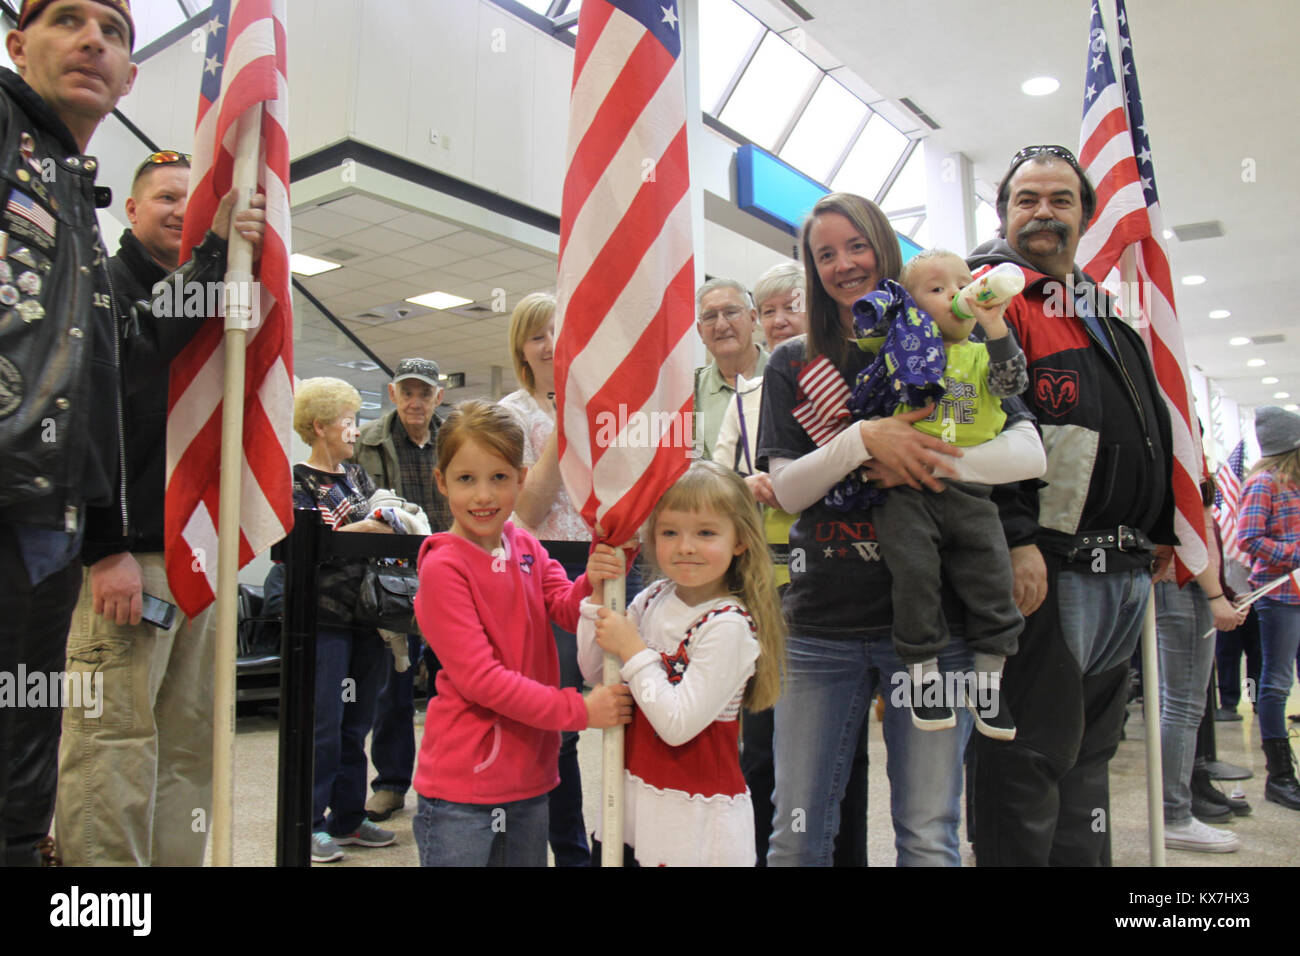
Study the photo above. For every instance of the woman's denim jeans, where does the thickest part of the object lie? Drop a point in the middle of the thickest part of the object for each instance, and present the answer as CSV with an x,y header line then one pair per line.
x,y
1279,638
829,687
1182,617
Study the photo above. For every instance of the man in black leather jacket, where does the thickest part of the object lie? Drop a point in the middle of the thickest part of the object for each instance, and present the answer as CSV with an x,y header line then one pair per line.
x,y
136,762
1082,544
60,418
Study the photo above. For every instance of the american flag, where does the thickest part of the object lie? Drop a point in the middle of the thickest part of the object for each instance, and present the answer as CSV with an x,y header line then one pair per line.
x,y
1226,500
623,361
1125,240
243,68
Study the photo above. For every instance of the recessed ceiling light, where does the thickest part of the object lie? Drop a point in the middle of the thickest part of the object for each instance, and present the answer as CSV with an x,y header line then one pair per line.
x,y
439,300
1291,408
1268,380
1281,394
306,265
1220,314
1255,363
1239,340
1169,234
1040,86
1193,280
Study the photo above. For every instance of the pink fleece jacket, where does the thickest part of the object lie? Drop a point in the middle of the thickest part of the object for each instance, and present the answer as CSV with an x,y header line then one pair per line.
x,y
492,731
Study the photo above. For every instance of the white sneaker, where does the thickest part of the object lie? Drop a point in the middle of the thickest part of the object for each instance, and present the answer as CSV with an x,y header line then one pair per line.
x,y
1195,835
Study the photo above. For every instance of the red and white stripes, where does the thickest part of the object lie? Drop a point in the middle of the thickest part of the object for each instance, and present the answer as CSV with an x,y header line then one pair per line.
x,y
244,68
626,273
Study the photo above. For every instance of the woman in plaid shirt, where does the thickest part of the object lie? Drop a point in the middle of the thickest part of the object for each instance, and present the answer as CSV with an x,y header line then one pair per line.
x,y
1268,529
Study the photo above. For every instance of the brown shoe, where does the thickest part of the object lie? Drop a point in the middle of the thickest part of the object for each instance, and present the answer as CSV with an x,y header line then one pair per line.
x,y
384,803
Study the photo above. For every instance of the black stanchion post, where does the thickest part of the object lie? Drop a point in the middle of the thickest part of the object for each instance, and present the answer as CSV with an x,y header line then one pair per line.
x,y
298,690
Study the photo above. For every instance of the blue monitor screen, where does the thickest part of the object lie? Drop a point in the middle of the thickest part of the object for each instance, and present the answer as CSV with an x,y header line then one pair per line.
x,y
781,195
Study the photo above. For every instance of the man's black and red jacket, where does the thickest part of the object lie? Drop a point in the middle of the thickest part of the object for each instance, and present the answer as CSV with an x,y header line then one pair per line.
x,y
1105,426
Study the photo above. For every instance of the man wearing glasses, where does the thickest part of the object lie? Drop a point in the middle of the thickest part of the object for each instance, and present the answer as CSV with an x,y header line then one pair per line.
x,y
135,767
727,320
1082,546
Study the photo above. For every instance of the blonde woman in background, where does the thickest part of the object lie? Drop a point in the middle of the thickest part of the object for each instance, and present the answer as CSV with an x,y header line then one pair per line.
x,y
543,507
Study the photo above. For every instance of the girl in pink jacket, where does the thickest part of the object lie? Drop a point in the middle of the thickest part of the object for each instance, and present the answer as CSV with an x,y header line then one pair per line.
x,y
488,592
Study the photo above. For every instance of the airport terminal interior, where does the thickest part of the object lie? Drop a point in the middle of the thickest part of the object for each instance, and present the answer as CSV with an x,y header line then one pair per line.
x,y
429,145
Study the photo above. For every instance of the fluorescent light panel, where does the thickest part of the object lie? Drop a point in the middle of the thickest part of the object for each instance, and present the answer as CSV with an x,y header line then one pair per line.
x,y
439,300
305,265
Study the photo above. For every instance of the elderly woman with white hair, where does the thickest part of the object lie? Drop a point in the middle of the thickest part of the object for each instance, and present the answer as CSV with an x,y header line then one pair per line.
x,y
779,300
349,657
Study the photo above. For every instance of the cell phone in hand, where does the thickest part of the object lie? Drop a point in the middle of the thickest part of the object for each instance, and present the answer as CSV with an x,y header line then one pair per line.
x,y
158,612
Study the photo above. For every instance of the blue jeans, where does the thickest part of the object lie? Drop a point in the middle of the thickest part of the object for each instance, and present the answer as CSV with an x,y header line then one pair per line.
x,y
1230,645
392,746
1279,639
829,687
473,834
1182,617
349,668
1101,616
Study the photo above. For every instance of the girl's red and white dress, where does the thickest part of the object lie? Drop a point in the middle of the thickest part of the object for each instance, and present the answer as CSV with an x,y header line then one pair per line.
x,y
685,799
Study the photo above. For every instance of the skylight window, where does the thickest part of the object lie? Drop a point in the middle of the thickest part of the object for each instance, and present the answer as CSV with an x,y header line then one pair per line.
x,y
823,131
775,84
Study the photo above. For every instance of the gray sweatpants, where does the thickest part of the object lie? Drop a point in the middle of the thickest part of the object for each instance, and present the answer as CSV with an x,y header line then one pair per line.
x,y
953,538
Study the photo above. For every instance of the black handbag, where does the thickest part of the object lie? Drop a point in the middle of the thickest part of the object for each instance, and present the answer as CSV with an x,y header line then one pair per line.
x,y
387,598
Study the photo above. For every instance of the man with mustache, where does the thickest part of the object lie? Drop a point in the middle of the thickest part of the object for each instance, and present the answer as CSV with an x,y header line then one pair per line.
x,y
1083,544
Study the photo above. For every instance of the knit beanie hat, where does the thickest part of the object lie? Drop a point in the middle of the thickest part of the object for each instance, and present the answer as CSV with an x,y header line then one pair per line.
x,y
1277,430
32,9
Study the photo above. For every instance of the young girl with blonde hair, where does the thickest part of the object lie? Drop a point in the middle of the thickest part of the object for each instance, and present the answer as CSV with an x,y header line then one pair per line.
x,y
695,646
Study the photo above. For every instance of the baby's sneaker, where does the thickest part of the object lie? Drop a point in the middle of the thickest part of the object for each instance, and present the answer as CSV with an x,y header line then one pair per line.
x,y
992,715
930,711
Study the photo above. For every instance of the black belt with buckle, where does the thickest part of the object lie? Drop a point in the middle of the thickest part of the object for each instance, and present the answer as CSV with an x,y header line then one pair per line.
x,y
1123,538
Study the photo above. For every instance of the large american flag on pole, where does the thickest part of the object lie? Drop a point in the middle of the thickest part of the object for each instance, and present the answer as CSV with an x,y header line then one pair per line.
x,y
243,68
1227,499
623,359
1125,243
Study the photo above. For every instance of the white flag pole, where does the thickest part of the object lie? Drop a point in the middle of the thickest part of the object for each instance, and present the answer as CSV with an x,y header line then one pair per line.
x,y
1151,715
611,836
239,300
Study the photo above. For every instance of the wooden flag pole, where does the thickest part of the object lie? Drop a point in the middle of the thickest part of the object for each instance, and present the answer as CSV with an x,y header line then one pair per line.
x,y
239,302
1151,714
611,836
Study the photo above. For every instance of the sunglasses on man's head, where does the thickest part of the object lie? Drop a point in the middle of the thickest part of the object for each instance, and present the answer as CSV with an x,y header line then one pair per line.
x,y
1029,152
164,157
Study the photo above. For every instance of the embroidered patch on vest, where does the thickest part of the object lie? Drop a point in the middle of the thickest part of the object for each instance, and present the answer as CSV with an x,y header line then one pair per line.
x,y
1056,391
11,387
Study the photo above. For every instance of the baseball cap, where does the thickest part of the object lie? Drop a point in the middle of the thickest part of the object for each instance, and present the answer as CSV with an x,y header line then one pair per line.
x,y
425,370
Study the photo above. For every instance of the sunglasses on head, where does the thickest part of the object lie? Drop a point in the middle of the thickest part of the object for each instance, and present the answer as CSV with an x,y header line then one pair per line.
x,y
164,157
1029,152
